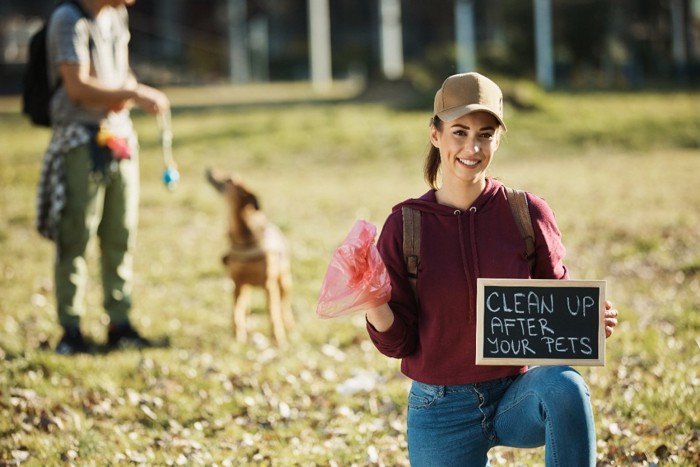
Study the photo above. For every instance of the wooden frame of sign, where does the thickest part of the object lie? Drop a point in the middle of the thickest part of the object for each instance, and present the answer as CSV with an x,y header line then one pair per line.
x,y
540,322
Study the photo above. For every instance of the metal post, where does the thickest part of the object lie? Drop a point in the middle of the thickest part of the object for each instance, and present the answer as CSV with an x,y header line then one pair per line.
x,y
391,38
169,27
694,32
239,68
465,36
678,35
320,44
543,43
259,48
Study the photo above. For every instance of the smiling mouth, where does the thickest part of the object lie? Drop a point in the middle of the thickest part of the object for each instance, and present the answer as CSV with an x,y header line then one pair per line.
x,y
469,162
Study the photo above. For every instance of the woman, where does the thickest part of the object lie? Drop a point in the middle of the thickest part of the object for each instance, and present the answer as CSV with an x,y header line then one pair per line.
x,y
458,410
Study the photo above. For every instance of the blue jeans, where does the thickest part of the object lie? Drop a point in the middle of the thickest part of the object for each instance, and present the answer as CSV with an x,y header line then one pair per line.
x,y
457,425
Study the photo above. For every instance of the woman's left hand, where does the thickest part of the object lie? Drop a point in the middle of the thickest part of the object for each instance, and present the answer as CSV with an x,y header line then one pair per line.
x,y
610,318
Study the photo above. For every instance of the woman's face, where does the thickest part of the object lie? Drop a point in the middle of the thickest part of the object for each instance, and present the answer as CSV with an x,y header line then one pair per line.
x,y
467,146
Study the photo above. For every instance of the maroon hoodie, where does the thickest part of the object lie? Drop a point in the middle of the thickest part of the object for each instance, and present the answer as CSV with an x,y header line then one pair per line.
x,y
437,341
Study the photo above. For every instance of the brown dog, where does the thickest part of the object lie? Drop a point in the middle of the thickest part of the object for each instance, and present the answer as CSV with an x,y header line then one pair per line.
x,y
258,257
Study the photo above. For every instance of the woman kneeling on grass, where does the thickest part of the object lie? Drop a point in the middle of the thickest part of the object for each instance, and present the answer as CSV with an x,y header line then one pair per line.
x,y
457,410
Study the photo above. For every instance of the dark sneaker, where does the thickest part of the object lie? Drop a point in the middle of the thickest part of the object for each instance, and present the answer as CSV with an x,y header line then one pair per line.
x,y
123,336
72,342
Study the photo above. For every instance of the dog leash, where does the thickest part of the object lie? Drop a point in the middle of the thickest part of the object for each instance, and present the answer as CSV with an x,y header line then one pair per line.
x,y
171,176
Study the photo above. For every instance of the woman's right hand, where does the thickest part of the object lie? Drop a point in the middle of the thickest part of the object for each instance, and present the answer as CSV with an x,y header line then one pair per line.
x,y
380,317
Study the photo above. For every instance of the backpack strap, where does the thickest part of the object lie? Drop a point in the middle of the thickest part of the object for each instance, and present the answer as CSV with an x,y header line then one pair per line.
x,y
411,244
517,199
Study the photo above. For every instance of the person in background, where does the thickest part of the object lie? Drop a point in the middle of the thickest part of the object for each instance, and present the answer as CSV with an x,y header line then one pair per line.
x,y
89,185
458,410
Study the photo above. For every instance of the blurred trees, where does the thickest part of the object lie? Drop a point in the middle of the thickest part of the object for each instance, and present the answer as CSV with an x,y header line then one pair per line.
x,y
597,43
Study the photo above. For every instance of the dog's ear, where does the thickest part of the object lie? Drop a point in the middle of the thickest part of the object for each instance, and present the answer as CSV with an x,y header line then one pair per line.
x,y
247,197
217,179
254,201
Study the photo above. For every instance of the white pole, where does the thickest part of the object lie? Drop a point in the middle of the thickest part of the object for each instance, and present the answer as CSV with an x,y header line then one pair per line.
x,y
169,27
391,39
543,43
320,44
678,32
465,36
694,32
238,42
259,48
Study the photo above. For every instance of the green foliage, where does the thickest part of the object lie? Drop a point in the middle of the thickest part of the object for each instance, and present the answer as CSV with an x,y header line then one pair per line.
x,y
620,171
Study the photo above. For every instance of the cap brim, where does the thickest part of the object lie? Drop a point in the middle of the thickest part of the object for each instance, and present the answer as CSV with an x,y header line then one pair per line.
x,y
454,113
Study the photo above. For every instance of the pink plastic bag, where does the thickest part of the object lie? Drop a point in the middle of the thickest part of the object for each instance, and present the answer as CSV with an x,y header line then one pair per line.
x,y
356,278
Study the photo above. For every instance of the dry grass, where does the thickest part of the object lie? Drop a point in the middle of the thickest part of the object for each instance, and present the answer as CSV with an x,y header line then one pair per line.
x,y
629,211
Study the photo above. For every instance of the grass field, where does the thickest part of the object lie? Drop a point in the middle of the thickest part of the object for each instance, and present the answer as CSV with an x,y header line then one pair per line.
x,y
620,171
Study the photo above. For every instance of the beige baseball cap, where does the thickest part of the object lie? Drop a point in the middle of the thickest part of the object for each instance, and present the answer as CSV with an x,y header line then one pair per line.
x,y
466,93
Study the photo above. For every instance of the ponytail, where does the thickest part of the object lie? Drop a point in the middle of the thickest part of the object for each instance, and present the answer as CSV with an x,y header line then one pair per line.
x,y
432,158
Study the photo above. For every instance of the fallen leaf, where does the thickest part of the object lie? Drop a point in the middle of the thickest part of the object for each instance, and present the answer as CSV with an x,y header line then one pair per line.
x,y
148,412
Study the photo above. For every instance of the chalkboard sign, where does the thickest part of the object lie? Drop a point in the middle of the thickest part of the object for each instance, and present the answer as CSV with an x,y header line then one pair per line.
x,y
540,322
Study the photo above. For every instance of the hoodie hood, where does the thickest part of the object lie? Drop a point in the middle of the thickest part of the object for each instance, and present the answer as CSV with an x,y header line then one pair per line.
x,y
428,202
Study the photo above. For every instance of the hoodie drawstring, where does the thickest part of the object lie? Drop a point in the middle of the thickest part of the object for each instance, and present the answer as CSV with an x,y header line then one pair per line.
x,y
475,259
472,240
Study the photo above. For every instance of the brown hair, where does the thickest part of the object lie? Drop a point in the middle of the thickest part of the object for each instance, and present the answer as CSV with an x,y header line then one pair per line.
x,y
432,158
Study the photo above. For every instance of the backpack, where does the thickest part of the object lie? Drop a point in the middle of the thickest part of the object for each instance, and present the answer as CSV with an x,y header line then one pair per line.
x,y
36,88
411,233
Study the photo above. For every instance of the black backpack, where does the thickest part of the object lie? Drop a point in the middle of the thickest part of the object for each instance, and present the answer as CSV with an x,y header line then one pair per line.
x,y
36,89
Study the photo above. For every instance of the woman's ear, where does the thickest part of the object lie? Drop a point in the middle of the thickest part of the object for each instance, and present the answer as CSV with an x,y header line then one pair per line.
x,y
435,136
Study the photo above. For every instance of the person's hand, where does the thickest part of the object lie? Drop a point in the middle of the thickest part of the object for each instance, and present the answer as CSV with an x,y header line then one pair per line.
x,y
151,100
610,318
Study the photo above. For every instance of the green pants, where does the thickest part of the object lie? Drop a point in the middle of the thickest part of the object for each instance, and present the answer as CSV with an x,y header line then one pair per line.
x,y
106,209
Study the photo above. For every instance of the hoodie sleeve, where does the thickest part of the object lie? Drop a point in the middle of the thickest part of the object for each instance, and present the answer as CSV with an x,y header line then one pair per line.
x,y
401,338
549,248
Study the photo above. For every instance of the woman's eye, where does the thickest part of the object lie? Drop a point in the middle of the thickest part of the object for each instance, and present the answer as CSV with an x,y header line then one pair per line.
x,y
486,136
460,133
